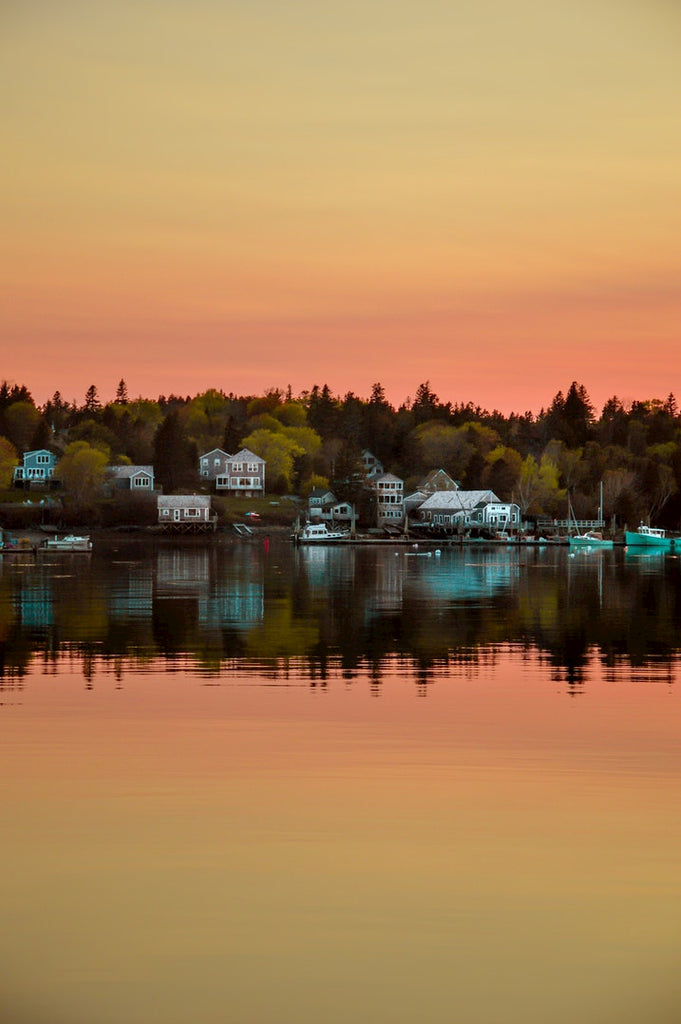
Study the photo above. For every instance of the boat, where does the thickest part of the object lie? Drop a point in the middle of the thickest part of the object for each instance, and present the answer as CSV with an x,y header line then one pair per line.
x,y
69,542
590,539
319,533
648,537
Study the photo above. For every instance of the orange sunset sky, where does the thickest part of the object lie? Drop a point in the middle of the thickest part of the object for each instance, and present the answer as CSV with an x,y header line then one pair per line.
x,y
255,193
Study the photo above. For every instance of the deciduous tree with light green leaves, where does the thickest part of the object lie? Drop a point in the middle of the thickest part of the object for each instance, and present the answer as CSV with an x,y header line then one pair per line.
x,y
8,460
279,452
82,471
538,487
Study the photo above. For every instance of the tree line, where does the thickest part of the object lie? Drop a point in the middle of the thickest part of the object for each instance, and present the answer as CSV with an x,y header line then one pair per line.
x,y
568,451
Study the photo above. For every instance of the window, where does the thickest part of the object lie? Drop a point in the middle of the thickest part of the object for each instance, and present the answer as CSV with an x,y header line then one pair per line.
x,y
44,459
252,467
237,467
192,513
140,481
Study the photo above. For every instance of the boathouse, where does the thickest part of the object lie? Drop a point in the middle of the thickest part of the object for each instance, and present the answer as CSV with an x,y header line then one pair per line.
x,y
186,513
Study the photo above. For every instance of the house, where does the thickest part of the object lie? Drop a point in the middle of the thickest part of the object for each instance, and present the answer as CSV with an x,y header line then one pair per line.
x,y
339,512
454,510
37,468
389,491
131,478
213,464
244,474
438,480
372,466
318,501
323,506
185,513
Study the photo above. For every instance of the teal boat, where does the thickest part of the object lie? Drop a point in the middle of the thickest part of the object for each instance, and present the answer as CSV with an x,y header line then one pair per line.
x,y
591,539
648,537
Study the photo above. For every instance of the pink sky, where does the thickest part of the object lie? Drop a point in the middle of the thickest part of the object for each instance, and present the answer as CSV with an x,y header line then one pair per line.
x,y
480,196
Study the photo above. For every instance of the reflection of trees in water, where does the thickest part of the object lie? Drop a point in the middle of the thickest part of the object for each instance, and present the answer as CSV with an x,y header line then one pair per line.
x,y
341,613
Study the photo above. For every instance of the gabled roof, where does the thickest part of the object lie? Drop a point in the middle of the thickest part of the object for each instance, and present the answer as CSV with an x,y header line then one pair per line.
x,y
388,478
124,472
438,480
456,501
245,455
215,451
40,451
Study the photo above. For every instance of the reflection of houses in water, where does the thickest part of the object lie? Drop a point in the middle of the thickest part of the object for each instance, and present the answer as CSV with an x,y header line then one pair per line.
x,y
388,592
241,606
182,572
36,606
132,591
228,596
467,575
326,564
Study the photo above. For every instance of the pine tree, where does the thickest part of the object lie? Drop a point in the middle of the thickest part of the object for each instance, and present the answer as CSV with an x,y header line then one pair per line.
x,y
121,393
92,402
175,458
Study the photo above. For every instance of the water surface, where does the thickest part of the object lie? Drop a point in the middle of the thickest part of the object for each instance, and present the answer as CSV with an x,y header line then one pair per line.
x,y
330,785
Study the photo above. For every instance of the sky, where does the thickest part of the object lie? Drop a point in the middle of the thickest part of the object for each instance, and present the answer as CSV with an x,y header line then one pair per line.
x,y
247,194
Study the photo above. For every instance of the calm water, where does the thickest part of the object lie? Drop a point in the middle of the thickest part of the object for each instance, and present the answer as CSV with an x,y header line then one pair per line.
x,y
257,784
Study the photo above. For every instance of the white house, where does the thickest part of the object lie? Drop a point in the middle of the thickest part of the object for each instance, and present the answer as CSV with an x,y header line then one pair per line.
x,y
244,474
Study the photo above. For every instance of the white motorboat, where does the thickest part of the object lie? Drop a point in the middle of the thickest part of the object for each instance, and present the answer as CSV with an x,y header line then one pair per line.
x,y
69,542
319,533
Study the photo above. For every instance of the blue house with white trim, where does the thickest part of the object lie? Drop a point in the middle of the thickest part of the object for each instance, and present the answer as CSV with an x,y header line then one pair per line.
x,y
37,468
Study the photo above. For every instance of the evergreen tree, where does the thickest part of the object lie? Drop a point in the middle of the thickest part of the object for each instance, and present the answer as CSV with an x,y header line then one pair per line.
x,y
92,402
121,393
175,458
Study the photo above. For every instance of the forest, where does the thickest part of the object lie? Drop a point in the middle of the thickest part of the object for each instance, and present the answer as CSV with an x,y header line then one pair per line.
x,y
630,452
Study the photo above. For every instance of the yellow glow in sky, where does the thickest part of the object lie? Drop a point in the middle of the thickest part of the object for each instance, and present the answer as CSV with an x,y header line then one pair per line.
x,y
240,195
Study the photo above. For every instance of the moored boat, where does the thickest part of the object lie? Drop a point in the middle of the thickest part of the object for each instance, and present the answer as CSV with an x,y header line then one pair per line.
x,y
69,542
319,533
591,539
649,537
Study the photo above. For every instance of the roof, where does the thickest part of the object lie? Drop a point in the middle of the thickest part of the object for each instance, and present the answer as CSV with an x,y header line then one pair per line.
x,y
215,451
183,500
388,477
127,471
245,455
438,480
455,501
